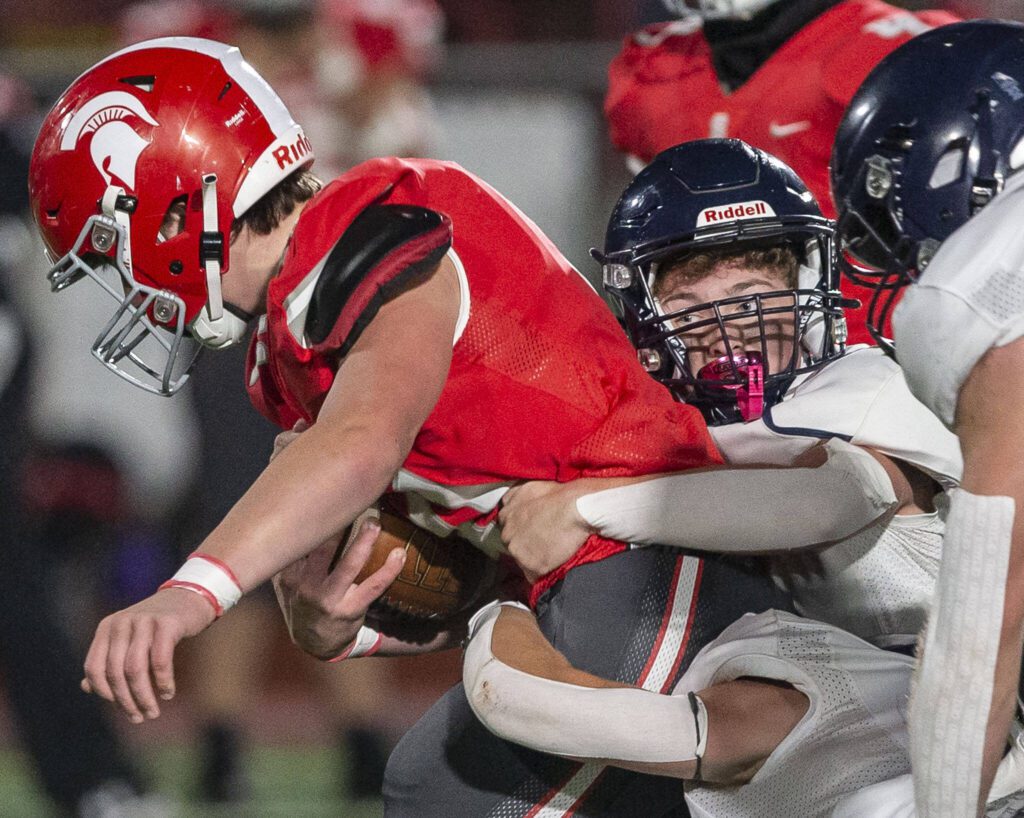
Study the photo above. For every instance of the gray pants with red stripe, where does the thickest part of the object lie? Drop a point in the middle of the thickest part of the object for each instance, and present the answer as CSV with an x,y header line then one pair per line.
x,y
638,617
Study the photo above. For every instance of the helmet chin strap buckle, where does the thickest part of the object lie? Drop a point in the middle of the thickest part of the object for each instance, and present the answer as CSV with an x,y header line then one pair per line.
x,y
211,249
750,397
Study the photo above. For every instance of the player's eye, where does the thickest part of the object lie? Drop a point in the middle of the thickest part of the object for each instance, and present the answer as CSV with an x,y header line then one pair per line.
x,y
750,305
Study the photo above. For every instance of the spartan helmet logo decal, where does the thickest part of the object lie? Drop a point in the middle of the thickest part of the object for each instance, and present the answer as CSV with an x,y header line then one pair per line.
x,y
116,145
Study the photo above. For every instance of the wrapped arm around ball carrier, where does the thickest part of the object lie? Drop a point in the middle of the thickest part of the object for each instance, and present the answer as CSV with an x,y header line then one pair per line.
x,y
525,691
849,487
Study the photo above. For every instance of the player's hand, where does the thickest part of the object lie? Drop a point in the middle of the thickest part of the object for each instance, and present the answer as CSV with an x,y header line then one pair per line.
x,y
282,441
541,526
131,659
323,609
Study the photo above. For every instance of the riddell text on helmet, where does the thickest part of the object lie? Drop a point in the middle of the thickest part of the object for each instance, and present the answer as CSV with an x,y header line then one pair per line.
x,y
290,154
740,210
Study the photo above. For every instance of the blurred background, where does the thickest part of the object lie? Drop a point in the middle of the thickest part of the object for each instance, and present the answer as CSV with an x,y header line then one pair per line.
x,y
104,488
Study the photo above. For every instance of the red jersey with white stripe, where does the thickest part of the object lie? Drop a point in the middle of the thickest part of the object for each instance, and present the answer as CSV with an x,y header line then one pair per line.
x,y
663,90
543,384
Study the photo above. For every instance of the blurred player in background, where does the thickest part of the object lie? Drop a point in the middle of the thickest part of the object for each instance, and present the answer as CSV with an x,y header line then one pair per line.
x,y
926,176
352,72
776,74
424,324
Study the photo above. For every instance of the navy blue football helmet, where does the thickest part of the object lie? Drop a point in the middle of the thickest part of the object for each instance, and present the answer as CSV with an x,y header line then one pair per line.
x,y
929,138
722,195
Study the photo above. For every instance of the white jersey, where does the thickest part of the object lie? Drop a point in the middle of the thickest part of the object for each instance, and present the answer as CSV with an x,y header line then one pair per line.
x,y
895,799
969,300
862,398
878,583
854,734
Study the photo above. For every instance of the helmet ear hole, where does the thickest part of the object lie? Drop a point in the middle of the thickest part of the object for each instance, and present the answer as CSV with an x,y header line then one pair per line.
x,y
142,82
174,219
1017,155
950,167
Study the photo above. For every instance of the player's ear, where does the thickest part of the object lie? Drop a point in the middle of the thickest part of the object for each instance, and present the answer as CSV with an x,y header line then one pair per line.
x,y
174,219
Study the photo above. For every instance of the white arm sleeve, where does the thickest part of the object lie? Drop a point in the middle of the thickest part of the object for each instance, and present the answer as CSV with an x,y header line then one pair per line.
x,y
949,704
614,724
748,510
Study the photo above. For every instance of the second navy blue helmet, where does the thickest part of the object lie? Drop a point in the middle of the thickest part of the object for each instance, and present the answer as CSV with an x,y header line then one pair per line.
x,y
711,195
930,137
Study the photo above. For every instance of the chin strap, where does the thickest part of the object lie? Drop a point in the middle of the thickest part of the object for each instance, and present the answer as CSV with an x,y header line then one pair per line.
x,y
229,330
750,398
215,326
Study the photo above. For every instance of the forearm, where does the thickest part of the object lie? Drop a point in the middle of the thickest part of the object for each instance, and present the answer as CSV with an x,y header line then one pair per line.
x,y
748,510
412,638
310,492
399,646
956,681
991,436
525,691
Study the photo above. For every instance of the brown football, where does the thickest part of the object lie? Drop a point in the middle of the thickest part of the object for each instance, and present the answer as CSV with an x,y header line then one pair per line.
x,y
442,576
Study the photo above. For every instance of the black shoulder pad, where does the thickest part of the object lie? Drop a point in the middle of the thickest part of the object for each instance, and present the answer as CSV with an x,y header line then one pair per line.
x,y
372,236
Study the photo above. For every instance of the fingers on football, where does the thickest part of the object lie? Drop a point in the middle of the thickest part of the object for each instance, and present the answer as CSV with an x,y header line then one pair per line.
x,y
363,594
356,554
317,563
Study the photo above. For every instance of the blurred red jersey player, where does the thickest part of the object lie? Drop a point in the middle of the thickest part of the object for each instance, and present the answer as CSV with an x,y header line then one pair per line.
x,y
776,75
351,71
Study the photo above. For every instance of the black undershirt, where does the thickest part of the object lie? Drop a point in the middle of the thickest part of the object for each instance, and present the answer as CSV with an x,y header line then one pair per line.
x,y
740,47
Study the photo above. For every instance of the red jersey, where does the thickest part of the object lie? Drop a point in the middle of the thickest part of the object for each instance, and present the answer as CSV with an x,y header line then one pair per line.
x,y
663,90
543,384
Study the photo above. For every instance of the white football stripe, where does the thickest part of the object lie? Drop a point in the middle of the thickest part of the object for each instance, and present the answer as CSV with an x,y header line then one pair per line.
x,y
562,801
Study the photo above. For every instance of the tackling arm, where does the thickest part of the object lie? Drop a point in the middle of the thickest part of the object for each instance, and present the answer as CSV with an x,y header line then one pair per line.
x,y
525,691
835,492
761,509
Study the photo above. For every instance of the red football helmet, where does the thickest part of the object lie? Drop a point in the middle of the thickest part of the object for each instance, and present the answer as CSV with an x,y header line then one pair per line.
x,y
176,121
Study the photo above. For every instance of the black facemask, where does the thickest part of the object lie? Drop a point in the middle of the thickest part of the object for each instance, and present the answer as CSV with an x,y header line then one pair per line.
x,y
740,47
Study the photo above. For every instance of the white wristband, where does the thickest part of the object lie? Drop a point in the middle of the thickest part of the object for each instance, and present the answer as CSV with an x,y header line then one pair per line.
x,y
366,643
209,577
